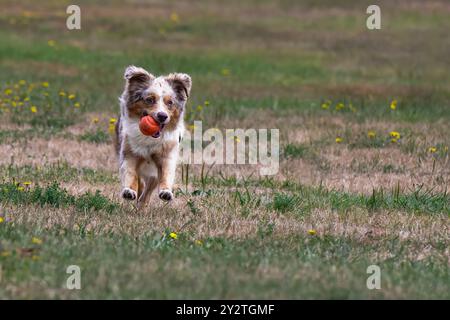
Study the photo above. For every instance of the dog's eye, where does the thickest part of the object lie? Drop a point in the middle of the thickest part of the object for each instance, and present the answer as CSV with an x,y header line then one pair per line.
x,y
150,100
169,103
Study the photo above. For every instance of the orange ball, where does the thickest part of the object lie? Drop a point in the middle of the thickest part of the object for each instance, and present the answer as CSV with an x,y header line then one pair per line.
x,y
148,126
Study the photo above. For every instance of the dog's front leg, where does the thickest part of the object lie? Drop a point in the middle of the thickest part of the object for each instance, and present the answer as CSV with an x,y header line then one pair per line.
x,y
167,175
129,178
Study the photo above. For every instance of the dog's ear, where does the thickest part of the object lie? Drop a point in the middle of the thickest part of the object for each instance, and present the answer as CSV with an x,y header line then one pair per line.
x,y
181,84
137,78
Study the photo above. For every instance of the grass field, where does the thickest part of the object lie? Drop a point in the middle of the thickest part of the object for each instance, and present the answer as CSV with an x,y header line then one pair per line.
x,y
364,119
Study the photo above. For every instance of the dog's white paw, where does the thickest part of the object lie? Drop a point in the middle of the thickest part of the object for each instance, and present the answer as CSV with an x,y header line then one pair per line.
x,y
166,195
129,194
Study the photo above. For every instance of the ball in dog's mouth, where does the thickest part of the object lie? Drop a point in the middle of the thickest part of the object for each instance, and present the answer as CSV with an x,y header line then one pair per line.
x,y
150,127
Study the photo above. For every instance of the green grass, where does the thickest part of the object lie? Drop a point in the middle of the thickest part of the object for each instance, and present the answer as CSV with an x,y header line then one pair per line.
x,y
54,196
291,267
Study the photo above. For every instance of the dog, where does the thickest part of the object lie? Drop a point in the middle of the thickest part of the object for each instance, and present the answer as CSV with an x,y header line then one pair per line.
x,y
146,162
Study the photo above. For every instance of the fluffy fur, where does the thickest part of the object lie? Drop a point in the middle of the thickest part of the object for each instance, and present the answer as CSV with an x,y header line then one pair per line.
x,y
147,162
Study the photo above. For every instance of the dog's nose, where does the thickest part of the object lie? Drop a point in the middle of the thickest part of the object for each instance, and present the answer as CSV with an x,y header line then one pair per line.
x,y
162,116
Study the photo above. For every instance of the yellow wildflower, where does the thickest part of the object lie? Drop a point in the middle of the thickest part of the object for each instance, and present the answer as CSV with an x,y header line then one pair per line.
x,y
45,84
206,103
340,106
112,120
112,128
8,91
395,135
339,139
325,105
20,188
174,17
371,134
27,183
2,219
36,240
22,82
62,93
199,242
76,105
51,43
173,235
199,107
5,253
33,109
95,120
225,72
393,104
26,99
432,149
312,232
71,96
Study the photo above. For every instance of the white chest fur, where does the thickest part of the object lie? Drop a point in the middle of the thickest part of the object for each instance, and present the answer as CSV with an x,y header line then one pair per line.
x,y
146,146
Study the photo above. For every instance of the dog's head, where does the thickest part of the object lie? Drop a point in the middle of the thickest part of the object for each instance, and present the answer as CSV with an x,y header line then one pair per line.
x,y
163,98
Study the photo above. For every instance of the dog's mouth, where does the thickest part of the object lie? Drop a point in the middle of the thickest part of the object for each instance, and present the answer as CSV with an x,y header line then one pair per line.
x,y
157,134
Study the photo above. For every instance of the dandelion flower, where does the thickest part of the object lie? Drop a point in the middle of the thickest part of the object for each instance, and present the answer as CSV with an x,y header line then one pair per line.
x,y
71,96
206,103
45,84
62,93
95,120
2,219
22,82
5,253
33,109
199,107
432,149
199,242
173,235
26,99
340,106
225,72
7,91
394,135
27,183
20,188
393,104
112,120
326,105
371,134
312,232
174,17
76,105
339,139
36,240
